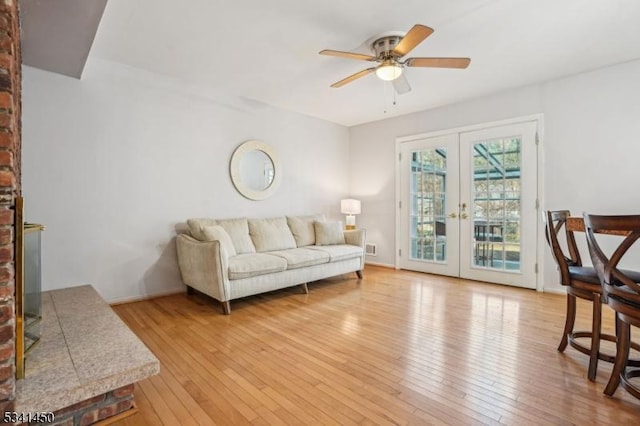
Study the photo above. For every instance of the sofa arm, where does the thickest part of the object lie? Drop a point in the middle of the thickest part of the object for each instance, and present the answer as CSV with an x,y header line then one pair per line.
x,y
355,237
203,266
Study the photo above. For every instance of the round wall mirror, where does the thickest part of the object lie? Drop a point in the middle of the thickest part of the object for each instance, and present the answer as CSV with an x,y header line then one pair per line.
x,y
255,170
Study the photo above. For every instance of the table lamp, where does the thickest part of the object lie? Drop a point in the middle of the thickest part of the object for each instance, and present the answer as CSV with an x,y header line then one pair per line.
x,y
350,207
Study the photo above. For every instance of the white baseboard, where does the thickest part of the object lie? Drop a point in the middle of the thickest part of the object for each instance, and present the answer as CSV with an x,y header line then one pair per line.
x,y
140,298
556,290
384,265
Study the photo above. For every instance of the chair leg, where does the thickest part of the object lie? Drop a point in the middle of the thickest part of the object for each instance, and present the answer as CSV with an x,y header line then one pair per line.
x,y
623,338
359,274
226,307
569,322
595,337
305,288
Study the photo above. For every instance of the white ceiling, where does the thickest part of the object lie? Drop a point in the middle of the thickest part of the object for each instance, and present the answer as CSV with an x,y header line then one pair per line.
x,y
268,50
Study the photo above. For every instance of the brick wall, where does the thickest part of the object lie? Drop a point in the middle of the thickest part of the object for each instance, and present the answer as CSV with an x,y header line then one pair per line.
x,y
10,146
96,409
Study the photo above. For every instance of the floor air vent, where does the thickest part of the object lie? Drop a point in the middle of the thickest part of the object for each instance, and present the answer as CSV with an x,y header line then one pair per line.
x,y
371,249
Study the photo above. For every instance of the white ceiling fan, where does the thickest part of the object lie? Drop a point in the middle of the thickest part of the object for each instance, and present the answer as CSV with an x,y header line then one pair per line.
x,y
389,51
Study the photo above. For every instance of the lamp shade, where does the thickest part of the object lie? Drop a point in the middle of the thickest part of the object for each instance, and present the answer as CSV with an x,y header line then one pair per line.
x,y
350,206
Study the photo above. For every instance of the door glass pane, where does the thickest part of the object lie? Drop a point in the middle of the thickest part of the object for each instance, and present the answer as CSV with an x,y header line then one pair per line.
x,y
496,204
427,197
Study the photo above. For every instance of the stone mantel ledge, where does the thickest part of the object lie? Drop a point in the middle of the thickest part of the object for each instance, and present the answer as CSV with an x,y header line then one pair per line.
x,y
85,350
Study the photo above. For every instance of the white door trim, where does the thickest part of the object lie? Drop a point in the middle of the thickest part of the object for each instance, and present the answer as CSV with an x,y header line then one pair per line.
x,y
539,118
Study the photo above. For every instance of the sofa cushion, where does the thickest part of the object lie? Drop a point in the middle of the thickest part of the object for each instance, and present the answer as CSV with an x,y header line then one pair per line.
x,y
254,264
328,233
302,257
196,226
303,230
238,230
338,252
217,233
271,234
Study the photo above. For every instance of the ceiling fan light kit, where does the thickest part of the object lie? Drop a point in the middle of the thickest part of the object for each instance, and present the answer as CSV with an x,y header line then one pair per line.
x,y
389,70
389,51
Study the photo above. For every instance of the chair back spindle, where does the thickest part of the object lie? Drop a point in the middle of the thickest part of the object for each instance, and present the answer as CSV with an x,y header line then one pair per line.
x,y
556,222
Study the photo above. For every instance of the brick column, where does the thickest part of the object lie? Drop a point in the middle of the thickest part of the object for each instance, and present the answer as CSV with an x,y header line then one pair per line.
x,y
10,146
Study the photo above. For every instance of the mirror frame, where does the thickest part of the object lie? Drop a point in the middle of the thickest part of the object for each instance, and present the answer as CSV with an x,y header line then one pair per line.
x,y
236,178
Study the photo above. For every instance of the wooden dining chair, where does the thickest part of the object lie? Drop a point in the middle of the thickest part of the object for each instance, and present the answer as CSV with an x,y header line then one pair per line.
x,y
582,282
621,291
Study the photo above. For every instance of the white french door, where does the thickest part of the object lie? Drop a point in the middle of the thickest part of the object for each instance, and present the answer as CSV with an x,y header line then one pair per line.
x,y
429,205
468,204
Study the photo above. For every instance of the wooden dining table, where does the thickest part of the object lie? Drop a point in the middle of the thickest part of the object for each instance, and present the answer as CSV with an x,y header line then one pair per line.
x,y
576,224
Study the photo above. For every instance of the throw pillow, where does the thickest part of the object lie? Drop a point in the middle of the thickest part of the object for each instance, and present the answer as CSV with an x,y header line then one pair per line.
x,y
217,233
196,225
328,233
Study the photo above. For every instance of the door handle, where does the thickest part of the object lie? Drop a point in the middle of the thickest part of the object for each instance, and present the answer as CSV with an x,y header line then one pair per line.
x,y
452,215
463,216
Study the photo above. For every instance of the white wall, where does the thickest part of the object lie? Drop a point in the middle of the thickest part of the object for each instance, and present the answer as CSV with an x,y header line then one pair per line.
x,y
590,148
114,162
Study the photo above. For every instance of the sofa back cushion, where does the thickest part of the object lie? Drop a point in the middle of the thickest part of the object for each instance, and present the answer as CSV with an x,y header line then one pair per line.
x,y
271,234
238,230
303,230
217,233
328,233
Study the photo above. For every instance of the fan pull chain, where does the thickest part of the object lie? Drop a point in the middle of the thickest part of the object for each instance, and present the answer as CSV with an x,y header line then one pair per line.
x,y
385,87
388,86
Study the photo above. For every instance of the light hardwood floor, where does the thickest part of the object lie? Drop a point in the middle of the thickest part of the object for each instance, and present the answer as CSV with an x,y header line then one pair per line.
x,y
394,348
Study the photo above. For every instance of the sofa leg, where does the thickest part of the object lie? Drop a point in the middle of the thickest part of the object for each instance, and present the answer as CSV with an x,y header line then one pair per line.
x,y
359,274
226,307
190,290
305,289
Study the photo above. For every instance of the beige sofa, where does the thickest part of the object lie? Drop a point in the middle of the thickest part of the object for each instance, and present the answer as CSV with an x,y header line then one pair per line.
x,y
233,258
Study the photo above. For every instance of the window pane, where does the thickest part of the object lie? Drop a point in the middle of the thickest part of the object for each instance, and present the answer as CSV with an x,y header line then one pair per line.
x,y
496,204
428,183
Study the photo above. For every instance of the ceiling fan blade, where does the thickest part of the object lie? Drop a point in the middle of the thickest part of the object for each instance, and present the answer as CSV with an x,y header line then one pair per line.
x,y
353,77
438,62
401,84
414,37
349,55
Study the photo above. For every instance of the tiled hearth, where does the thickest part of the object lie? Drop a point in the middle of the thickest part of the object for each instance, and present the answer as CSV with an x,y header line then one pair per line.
x,y
86,362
